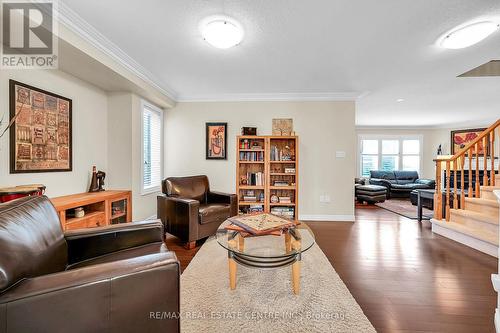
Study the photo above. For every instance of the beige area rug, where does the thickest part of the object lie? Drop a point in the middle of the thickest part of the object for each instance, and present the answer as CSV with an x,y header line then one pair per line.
x,y
404,208
263,300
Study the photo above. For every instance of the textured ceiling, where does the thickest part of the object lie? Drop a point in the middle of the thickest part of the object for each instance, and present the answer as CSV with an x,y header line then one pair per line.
x,y
383,50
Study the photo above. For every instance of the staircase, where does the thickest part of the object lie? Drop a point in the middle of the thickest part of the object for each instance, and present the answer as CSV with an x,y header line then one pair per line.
x,y
476,222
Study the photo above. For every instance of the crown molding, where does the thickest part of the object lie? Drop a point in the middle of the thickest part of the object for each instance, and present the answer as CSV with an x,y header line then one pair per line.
x,y
278,97
75,23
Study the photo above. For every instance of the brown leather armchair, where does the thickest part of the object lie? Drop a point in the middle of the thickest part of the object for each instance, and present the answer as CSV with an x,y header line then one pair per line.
x,y
190,211
120,278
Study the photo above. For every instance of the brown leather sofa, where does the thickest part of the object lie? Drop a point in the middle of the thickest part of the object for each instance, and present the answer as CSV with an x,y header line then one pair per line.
x,y
119,278
190,211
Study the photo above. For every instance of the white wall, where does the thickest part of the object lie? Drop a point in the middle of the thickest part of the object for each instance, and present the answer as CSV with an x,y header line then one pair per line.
x,y
89,130
322,127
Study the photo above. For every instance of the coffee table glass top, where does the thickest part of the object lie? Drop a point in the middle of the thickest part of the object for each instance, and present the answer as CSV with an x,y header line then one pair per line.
x,y
267,246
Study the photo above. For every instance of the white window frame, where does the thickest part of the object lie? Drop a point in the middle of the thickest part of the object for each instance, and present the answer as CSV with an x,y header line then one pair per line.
x,y
400,154
155,189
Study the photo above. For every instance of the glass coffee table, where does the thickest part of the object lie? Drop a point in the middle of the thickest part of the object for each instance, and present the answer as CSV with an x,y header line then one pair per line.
x,y
268,251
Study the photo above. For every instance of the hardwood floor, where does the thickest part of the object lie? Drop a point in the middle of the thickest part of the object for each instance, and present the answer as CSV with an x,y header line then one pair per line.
x,y
405,278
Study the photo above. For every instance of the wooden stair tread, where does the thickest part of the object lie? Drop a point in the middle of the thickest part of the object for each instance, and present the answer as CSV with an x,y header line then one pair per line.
x,y
485,218
481,234
482,201
490,188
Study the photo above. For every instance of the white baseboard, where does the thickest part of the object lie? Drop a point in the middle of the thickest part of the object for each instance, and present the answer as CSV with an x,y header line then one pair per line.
x,y
475,243
333,218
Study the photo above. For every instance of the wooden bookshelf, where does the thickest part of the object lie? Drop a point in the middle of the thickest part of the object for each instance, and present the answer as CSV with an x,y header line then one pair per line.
x,y
269,156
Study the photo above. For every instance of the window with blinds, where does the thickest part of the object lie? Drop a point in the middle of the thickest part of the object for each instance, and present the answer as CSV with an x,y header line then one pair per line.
x,y
152,119
389,153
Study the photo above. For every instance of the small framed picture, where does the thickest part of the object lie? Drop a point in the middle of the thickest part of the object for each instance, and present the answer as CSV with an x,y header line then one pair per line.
x,y
282,127
216,141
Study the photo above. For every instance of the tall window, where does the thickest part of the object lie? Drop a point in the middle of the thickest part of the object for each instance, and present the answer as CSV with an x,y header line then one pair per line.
x,y
152,125
389,153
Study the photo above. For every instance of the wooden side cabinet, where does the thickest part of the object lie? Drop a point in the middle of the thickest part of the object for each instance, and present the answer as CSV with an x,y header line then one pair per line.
x,y
100,208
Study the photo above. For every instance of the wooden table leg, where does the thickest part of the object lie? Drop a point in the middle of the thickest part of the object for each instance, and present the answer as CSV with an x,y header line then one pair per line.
x,y
241,243
232,273
232,264
296,268
288,242
296,277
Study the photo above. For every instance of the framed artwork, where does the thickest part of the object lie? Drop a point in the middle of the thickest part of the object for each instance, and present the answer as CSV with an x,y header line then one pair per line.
x,y
282,127
216,141
41,132
460,138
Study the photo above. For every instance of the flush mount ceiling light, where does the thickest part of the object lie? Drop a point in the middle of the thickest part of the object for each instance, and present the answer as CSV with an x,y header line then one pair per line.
x,y
468,35
221,31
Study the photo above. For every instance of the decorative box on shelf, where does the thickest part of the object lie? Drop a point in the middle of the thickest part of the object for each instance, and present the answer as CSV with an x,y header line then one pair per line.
x,y
99,209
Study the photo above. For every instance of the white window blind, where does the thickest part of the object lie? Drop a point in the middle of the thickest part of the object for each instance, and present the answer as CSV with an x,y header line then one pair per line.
x,y
152,119
389,153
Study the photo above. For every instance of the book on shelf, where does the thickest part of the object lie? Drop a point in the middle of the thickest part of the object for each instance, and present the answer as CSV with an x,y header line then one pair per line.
x,y
255,179
250,144
285,200
290,170
280,183
287,212
251,156
251,199
256,209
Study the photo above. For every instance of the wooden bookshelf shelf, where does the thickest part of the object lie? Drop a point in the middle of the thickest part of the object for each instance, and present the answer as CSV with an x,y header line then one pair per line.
x,y
249,203
268,171
252,150
89,216
282,187
251,187
115,216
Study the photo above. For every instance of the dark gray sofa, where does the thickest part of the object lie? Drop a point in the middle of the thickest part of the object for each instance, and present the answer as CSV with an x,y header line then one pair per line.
x,y
399,184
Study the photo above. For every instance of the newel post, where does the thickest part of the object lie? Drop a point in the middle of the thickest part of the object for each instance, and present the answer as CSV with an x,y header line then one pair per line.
x,y
438,198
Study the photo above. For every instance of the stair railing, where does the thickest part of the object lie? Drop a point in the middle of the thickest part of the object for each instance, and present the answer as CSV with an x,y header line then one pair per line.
x,y
455,163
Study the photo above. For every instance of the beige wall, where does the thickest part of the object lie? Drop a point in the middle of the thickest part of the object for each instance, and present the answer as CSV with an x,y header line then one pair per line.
x,y
323,128
106,133
125,140
89,130
431,139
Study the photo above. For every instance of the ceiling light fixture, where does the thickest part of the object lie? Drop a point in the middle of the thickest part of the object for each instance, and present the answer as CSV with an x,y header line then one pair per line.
x,y
468,35
221,31
399,100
